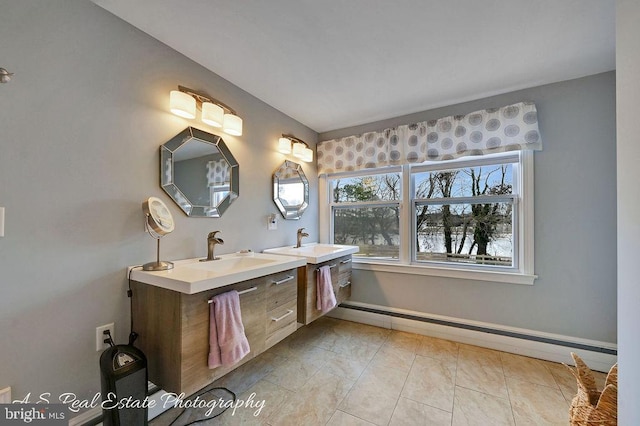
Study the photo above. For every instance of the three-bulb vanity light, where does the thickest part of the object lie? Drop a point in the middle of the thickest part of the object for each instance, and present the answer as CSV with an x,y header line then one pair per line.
x,y
184,102
288,144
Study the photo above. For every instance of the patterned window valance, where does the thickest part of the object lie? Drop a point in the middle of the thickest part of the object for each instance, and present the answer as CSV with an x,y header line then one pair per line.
x,y
218,173
510,128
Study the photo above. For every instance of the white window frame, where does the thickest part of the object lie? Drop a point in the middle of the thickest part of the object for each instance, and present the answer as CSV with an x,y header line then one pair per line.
x,y
524,221
365,204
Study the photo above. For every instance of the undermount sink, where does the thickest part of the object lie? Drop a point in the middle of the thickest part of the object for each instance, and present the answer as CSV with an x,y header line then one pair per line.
x,y
192,276
315,252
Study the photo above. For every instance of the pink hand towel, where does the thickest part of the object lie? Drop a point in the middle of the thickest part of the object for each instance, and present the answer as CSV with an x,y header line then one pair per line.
x,y
214,349
227,342
324,293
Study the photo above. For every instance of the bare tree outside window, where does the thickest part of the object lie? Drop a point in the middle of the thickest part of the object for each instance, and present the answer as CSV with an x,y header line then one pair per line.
x,y
467,213
450,227
368,214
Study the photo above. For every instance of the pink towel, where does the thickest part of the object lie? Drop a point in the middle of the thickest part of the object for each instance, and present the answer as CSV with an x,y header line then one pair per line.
x,y
227,341
324,293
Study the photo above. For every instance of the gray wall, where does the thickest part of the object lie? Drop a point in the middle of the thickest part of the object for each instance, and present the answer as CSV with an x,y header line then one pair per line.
x,y
628,93
80,129
575,223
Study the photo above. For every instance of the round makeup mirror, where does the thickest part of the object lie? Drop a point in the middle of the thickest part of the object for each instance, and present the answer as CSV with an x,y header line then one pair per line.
x,y
159,222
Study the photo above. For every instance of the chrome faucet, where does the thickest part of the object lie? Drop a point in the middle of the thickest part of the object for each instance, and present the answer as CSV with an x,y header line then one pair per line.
x,y
212,240
300,236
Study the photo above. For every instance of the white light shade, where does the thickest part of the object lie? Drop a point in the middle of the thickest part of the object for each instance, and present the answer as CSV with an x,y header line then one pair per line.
x,y
284,145
212,114
307,155
182,104
232,124
298,149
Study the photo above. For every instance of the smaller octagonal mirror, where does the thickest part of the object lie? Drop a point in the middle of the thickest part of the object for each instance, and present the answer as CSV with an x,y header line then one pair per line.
x,y
290,190
199,173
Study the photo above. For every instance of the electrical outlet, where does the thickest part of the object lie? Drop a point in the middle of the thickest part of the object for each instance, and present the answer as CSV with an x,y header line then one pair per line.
x,y
100,336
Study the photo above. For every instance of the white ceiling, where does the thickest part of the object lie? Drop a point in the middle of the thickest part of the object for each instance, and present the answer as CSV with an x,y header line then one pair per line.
x,y
337,63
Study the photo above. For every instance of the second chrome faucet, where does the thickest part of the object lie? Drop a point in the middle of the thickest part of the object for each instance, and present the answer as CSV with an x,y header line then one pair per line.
x,y
212,241
300,235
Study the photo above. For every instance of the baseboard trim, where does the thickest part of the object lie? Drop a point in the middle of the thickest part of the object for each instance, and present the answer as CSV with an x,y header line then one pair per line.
x,y
598,355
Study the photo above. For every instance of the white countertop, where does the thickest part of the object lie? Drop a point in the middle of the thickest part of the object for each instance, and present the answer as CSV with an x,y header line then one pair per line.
x,y
314,252
192,276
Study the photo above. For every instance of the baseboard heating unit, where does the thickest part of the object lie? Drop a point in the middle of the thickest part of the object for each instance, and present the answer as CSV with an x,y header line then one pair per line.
x,y
598,355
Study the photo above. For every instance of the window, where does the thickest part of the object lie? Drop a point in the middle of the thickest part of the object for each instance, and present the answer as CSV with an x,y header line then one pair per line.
x,y
366,212
470,217
465,215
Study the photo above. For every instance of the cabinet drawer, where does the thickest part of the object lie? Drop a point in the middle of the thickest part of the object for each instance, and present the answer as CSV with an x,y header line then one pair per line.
x,y
280,335
342,285
281,317
344,270
343,290
281,288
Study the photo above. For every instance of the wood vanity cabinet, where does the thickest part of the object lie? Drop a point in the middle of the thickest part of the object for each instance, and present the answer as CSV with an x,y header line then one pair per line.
x,y
307,286
173,327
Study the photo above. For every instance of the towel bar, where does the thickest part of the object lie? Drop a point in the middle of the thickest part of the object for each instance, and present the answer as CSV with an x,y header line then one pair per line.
x,y
239,293
345,261
330,266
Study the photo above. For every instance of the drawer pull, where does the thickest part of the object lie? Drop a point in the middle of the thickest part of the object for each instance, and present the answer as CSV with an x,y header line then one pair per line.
x,y
289,312
330,266
345,261
240,293
284,280
347,284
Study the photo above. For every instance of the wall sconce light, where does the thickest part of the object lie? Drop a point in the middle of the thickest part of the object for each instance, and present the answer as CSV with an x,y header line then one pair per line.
x,y
5,76
288,144
184,102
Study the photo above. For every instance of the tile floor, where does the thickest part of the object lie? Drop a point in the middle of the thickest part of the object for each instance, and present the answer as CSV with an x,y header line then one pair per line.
x,y
341,373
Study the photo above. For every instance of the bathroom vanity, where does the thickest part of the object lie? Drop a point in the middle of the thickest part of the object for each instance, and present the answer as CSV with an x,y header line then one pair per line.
x,y
171,313
307,286
337,257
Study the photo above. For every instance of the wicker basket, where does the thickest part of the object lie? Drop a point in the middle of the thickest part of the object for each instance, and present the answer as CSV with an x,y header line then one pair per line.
x,y
590,406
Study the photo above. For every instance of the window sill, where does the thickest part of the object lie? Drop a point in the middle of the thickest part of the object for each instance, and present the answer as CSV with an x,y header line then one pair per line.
x,y
492,276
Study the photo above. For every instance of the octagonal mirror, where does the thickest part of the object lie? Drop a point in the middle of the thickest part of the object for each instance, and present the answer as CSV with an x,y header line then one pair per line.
x,y
199,173
290,190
